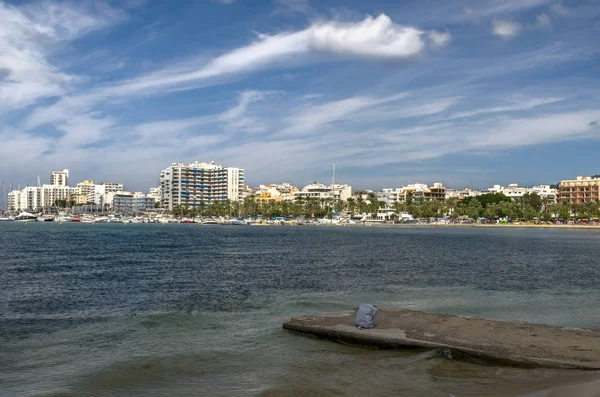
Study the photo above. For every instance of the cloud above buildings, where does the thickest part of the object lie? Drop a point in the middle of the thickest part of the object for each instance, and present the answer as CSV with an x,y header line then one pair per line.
x,y
359,90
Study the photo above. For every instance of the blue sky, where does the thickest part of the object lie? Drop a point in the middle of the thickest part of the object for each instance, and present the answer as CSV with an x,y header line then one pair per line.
x,y
462,92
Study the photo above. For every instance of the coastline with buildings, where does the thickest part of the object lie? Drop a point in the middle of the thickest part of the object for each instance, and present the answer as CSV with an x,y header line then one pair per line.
x,y
205,192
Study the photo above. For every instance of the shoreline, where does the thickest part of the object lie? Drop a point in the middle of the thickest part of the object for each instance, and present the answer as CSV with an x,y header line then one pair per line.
x,y
474,225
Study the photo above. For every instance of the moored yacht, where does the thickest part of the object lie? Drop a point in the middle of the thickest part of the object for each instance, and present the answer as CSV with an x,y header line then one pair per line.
x,y
26,217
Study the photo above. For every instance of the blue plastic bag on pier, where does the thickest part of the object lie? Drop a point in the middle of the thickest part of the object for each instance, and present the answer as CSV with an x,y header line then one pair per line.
x,y
365,315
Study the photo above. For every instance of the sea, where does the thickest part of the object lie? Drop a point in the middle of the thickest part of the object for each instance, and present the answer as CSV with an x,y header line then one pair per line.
x,y
197,310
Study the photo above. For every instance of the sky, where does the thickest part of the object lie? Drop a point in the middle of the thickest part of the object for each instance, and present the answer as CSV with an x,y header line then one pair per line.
x,y
467,93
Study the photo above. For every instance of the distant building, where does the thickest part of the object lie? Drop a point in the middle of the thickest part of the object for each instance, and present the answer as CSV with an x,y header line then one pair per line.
x,y
155,193
580,190
103,194
196,184
515,191
274,192
416,190
85,188
320,191
131,203
36,197
546,191
59,178
462,194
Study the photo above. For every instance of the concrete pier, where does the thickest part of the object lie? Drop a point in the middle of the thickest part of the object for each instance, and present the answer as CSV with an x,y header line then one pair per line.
x,y
480,339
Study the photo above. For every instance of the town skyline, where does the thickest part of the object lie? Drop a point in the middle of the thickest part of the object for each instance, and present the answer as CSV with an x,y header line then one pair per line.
x,y
327,179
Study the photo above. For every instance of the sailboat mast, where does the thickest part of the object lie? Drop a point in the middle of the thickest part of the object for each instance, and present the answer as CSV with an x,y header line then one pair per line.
x,y
332,192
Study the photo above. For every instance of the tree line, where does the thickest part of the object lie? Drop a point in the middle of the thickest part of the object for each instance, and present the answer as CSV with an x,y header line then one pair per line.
x,y
492,206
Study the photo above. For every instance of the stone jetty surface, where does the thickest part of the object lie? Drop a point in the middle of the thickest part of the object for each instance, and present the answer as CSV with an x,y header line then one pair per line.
x,y
479,339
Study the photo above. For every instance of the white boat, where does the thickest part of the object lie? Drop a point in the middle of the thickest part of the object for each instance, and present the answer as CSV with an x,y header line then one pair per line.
x,y
25,217
45,218
6,219
87,219
64,218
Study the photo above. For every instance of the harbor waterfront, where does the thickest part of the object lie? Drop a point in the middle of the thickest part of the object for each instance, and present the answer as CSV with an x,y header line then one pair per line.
x,y
179,310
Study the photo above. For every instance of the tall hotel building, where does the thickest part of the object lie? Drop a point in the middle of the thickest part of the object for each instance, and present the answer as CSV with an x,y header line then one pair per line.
x,y
195,184
583,189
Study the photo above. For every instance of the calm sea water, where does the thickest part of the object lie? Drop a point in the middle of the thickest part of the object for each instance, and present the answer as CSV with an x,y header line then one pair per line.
x,y
188,310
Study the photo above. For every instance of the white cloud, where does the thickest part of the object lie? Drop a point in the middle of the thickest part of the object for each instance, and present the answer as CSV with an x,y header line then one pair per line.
x,y
439,39
560,10
537,130
27,37
312,117
519,105
375,39
544,21
233,120
505,29
498,7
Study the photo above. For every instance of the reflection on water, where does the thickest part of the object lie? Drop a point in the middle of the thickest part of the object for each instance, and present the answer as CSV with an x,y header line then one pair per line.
x,y
149,310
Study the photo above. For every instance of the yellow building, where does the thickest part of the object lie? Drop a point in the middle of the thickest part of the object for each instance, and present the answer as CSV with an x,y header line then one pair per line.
x,y
581,190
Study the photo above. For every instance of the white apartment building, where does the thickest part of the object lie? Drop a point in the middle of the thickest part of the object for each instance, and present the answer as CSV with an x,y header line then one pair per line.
x,y
514,191
155,193
546,191
35,197
104,194
195,184
321,191
59,178
418,190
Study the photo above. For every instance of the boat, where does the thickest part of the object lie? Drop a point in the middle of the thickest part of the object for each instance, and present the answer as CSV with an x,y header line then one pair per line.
x,y
5,219
86,219
26,217
45,218
64,218
233,221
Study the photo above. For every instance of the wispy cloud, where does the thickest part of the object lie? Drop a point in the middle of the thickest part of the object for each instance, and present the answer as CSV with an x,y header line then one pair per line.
x,y
312,117
374,39
292,7
439,39
505,29
560,10
500,7
518,105
27,38
543,21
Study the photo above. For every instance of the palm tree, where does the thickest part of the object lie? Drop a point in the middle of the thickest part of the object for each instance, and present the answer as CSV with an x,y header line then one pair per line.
x,y
351,204
451,203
